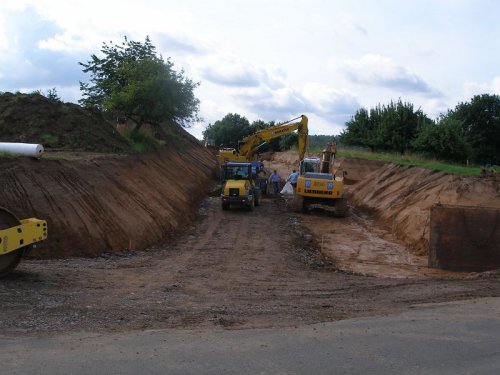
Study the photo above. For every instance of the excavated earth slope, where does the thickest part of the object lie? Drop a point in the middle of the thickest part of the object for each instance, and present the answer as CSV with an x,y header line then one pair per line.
x,y
96,194
400,197
97,203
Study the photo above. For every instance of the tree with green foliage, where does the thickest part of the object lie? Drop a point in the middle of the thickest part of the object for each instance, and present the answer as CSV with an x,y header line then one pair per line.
x,y
133,80
52,95
288,141
444,140
481,123
317,143
397,126
391,127
228,131
360,130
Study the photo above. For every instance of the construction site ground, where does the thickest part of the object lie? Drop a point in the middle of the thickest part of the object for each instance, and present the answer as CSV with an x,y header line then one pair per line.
x,y
136,241
235,269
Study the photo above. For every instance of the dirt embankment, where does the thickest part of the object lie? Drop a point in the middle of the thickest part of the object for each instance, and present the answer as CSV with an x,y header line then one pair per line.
x,y
400,197
105,203
96,194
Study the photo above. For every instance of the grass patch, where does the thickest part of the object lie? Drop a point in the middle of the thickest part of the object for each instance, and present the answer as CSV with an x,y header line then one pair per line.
x,y
142,142
7,155
418,161
48,138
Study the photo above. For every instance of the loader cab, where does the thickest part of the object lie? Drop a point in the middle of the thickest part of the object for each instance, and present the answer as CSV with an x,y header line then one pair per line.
x,y
239,188
237,171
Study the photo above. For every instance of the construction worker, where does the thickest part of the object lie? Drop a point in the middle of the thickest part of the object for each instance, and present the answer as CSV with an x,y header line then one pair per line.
x,y
294,176
275,179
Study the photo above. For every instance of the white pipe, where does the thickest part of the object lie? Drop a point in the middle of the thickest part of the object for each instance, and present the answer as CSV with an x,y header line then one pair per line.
x,y
27,149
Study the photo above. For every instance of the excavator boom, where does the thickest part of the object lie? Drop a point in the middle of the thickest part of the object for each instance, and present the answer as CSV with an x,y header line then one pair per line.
x,y
251,144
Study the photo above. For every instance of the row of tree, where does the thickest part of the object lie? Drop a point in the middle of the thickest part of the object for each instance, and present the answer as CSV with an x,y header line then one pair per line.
x,y
471,131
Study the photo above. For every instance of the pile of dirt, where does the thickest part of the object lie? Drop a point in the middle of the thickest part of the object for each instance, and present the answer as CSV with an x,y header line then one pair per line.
x,y
33,118
400,197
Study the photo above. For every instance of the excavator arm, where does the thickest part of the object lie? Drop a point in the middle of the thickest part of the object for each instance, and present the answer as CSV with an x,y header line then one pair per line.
x,y
252,143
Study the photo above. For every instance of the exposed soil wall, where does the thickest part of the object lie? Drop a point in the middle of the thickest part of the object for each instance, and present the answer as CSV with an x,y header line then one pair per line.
x,y
400,197
105,203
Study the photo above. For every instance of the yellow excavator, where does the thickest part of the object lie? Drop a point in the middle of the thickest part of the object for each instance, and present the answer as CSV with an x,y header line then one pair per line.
x,y
318,187
16,238
251,144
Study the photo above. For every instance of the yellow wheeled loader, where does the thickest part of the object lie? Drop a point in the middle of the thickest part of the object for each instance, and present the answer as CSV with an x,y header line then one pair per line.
x,y
16,238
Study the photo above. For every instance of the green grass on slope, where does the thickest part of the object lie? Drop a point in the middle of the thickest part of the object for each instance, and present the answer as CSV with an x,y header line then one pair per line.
x,y
417,161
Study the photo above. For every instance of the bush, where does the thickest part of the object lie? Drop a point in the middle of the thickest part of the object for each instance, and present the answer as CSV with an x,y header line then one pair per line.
x,y
142,142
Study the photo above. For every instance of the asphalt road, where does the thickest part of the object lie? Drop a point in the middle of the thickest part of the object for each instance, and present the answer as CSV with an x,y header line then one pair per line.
x,y
451,338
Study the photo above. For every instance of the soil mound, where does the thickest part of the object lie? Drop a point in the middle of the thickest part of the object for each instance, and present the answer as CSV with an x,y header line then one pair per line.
x,y
33,118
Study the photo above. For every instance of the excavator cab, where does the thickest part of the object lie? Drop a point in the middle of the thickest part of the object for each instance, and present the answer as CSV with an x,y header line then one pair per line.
x,y
309,165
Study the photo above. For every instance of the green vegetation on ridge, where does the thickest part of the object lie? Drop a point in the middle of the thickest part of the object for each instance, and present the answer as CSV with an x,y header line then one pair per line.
x,y
417,161
470,132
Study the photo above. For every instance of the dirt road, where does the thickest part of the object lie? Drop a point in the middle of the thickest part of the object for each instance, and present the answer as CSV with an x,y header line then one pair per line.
x,y
231,268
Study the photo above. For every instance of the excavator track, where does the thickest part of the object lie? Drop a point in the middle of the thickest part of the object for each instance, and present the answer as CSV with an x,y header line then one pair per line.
x,y
10,260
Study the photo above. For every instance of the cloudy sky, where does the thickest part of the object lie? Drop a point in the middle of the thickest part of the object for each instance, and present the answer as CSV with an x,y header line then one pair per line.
x,y
269,59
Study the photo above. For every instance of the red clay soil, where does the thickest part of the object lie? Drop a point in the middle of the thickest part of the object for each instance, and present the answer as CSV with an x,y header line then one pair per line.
x,y
97,203
210,267
399,198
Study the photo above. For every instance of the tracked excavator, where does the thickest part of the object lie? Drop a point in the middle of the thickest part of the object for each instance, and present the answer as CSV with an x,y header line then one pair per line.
x,y
16,238
318,187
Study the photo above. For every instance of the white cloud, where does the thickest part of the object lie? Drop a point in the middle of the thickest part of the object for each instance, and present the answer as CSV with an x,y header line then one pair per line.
x,y
373,69
475,88
348,23
233,72
330,102
65,42
334,107
434,107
